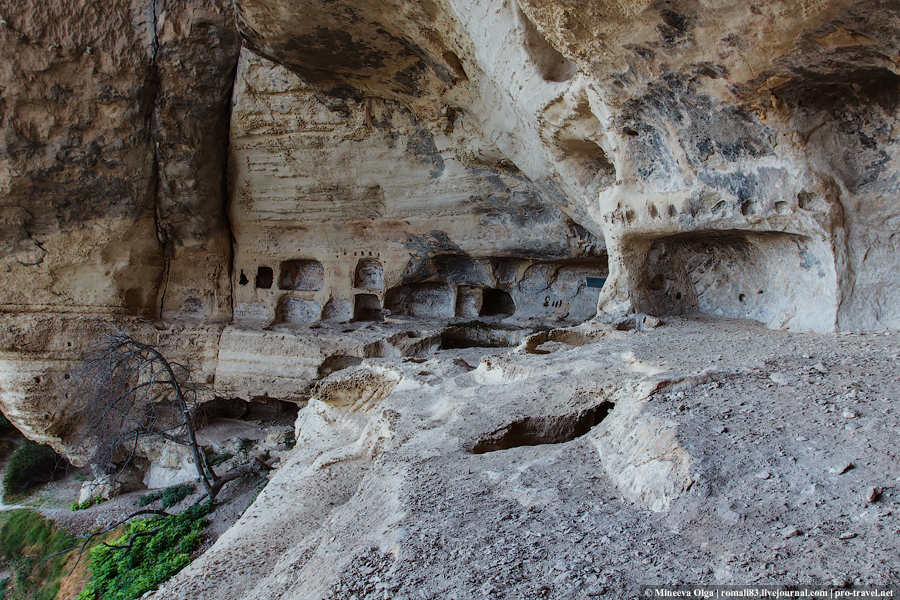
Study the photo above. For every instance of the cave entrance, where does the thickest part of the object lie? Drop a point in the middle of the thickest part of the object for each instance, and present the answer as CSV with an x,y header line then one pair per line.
x,y
261,408
427,300
496,303
264,278
302,275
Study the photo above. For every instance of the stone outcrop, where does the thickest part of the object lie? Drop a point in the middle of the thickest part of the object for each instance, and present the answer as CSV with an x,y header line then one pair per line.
x,y
308,200
608,460
114,122
281,189
725,152
112,175
368,204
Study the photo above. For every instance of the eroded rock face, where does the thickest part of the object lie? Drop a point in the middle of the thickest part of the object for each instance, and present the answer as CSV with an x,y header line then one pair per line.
x,y
590,464
759,133
434,161
362,203
366,184
114,127
112,182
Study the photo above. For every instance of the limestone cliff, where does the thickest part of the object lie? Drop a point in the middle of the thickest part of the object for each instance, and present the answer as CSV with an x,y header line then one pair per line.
x,y
278,190
251,177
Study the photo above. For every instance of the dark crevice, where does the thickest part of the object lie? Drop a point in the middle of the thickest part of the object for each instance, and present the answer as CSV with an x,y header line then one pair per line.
x,y
536,431
338,362
264,278
496,303
226,219
367,307
260,408
154,82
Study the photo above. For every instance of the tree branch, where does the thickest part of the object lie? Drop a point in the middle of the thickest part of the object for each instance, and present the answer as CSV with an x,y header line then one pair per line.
x,y
251,468
130,544
146,511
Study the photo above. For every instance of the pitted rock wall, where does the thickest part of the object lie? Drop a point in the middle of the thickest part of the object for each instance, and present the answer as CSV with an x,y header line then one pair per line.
x,y
440,159
644,121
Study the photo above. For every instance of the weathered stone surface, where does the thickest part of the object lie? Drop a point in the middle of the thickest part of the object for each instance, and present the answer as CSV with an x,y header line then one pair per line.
x,y
112,199
477,465
729,124
361,177
385,199
112,175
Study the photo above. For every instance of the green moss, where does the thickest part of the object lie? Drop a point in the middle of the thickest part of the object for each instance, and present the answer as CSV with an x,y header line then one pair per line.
x,y
126,574
30,465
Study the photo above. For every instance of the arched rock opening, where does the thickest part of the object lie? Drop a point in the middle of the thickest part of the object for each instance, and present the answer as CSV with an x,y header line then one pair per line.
x,y
783,280
496,302
369,274
367,307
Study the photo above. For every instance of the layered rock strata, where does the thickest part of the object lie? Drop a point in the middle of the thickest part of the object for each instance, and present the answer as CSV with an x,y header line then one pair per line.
x,y
419,164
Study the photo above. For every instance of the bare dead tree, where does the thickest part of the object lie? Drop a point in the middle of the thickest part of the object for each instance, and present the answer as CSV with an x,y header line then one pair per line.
x,y
129,390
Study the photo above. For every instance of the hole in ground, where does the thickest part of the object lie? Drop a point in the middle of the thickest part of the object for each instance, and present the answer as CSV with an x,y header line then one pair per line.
x,y
535,431
476,334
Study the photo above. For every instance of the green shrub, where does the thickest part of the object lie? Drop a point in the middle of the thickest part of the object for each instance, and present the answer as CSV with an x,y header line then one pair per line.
x,y
30,465
4,424
169,496
246,445
86,504
126,574
217,459
28,543
82,505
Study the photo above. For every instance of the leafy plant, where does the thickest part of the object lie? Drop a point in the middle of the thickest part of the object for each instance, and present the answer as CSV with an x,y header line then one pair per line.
x,y
87,504
30,464
169,496
246,445
217,459
150,552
